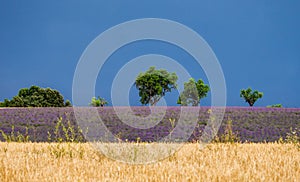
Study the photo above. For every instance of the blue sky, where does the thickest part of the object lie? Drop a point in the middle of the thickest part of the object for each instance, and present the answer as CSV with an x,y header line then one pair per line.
x,y
256,42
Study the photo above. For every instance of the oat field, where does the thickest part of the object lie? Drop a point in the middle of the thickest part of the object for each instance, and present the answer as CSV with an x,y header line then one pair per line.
x,y
216,162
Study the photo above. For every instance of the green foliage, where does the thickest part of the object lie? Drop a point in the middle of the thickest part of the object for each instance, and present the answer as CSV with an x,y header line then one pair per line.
x,y
61,133
36,97
228,136
193,92
12,137
61,150
293,136
173,124
275,105
2,104
250,97
154,84
58,151
98,102
66,133
68,103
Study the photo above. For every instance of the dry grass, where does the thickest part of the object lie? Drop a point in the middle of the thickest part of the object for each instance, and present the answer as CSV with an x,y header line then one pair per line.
x,y
217,162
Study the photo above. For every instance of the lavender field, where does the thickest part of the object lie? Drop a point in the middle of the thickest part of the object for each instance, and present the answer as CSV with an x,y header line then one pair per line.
x,y
251,124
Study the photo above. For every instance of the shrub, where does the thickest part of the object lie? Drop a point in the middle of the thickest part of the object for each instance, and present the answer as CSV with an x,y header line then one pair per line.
x,y
275,105
98,102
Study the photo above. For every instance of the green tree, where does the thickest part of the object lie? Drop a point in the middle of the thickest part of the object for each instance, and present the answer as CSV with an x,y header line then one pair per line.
x,y
250,96
36,97
98,102
154,84
193,92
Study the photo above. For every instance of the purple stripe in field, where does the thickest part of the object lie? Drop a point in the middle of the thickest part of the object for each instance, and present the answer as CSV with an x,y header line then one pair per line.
x,y
251,123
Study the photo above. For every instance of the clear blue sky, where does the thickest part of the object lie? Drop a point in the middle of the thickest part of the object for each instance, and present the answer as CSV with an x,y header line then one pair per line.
x,y
257,43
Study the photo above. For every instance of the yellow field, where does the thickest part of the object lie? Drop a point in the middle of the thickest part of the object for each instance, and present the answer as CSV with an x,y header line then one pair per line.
x,y
216,162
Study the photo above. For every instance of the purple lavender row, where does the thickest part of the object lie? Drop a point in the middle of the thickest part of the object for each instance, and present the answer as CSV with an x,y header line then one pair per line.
x,y
252,124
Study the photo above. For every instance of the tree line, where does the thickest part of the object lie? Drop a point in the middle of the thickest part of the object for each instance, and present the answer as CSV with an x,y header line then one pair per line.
x,y
152,86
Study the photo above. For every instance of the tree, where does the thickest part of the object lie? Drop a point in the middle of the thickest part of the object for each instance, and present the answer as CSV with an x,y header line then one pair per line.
x,y
98,102
154,84
193,92
36,97
251,97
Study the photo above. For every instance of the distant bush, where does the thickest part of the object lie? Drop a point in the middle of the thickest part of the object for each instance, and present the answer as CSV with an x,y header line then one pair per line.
x,y
68,103
36,97
274,105
2,104
98,102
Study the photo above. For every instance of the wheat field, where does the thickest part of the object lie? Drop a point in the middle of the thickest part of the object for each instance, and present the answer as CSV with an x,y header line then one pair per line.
x,y
216,162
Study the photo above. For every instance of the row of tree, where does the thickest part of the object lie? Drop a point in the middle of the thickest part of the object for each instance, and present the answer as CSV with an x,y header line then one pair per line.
x,y
152,85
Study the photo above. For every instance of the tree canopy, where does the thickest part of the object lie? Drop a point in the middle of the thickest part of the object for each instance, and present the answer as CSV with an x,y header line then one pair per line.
x,y
250,96
193,92
36,97
154,84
